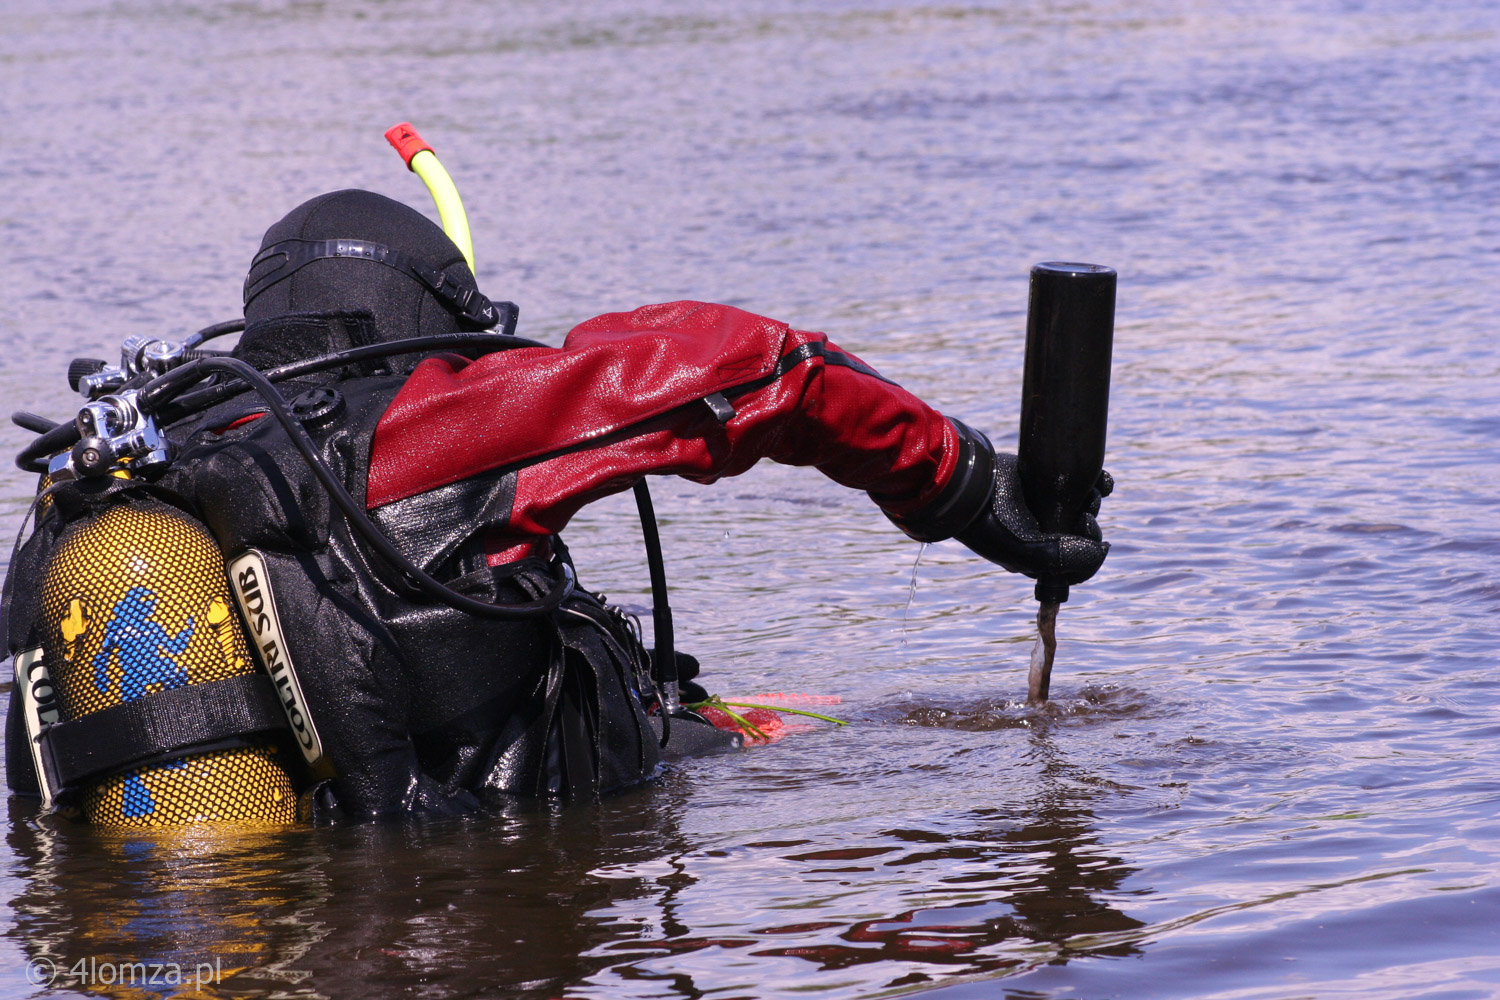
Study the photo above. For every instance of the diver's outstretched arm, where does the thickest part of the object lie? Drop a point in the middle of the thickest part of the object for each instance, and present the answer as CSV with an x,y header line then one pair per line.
x,y
696,390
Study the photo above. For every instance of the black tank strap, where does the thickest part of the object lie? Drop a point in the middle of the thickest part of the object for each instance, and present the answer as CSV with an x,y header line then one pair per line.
x,y
162,726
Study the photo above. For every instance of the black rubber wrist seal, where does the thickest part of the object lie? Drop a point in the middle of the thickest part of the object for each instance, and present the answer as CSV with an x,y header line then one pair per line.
x,y
964,498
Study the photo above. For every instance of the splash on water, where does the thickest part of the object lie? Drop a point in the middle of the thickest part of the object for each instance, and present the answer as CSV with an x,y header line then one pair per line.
x,y
1091,704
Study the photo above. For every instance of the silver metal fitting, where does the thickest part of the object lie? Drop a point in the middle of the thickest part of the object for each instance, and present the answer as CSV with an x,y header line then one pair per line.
x,y
114,436
138,356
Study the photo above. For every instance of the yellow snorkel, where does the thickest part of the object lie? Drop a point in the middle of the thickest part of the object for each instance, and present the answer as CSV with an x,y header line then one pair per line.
x,y
423,162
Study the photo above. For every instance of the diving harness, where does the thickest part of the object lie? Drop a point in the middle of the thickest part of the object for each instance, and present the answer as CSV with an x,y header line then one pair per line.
x,y
106,746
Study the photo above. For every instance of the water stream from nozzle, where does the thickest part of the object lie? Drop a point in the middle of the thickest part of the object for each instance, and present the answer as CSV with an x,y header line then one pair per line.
x,y
911,591
1039,679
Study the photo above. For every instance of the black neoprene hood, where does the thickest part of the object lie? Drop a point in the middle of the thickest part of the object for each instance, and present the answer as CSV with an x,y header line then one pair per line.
x,y
399,303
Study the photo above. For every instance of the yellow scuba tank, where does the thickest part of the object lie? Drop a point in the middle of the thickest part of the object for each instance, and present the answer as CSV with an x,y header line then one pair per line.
x,y
136,606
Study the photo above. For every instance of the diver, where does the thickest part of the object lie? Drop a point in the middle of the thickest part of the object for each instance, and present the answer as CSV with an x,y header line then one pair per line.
x,y
449,656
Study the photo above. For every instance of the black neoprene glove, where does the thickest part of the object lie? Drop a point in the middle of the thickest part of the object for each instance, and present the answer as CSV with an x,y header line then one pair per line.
x,y
1007,534
983,507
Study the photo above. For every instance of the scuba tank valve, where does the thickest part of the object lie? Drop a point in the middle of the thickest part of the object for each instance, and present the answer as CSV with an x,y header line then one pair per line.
x,y
113,430
114,437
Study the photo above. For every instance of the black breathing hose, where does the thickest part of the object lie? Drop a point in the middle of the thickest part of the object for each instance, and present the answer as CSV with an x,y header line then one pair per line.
x,y
32,422
216,330
214,395
161,391
664,656
33,458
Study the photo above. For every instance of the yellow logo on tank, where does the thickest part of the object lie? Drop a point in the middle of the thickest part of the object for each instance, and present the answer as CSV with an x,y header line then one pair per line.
x,y
137,601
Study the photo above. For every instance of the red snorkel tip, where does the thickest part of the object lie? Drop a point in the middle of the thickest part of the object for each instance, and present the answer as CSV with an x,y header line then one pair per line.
x,y
405,140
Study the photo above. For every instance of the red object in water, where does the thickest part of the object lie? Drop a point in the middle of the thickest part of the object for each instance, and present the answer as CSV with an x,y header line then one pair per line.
x,y
797,698
767,721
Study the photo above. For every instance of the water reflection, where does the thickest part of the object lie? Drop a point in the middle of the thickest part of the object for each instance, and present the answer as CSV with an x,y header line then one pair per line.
x,y
613,899
365,911
501,901
991,890
164,911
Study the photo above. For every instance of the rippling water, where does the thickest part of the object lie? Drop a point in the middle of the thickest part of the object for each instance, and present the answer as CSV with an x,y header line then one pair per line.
x,y
1271,765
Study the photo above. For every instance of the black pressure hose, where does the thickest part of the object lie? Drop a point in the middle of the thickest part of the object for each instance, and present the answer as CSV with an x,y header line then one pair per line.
x,y
33,457
158,397
664,656
487,342
61,437
33,422
216,330
162,389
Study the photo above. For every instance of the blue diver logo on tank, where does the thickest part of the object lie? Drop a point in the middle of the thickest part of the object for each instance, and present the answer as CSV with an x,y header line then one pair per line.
x,y
146,655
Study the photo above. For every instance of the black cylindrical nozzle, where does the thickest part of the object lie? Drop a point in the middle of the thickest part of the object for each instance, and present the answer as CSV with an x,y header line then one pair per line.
x,y
1070,327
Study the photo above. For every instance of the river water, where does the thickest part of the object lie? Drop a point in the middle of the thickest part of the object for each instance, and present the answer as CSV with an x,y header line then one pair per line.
x,y
1272,763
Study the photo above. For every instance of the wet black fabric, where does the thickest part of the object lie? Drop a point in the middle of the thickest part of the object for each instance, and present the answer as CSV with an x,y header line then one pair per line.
x,y
693,736
280,340
420,708
400,305
20,769
20,611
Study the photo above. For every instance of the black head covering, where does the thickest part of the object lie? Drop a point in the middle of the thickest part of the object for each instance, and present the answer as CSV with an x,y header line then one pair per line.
x,y
397,303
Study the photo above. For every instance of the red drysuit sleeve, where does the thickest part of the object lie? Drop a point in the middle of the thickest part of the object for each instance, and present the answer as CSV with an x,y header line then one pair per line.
x,y
625,398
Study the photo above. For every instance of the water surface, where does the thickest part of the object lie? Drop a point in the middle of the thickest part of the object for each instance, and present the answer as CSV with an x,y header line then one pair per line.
x,y
1270,768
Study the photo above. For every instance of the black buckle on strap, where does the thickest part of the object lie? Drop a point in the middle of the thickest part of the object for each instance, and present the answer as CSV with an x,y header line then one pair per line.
x,y
162,726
